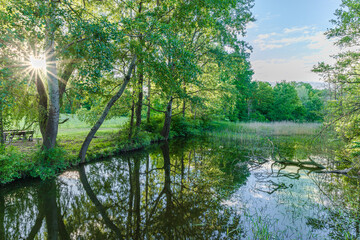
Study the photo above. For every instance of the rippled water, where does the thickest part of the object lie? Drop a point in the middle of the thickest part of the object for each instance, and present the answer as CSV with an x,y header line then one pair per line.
x,y
195,189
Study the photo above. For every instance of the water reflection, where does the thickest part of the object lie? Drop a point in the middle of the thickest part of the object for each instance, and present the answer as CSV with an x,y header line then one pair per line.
x,y
343,219
186,190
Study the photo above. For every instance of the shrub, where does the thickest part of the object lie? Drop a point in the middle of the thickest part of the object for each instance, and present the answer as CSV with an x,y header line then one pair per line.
x,y
155,125
141,139
205,122
48,162
138,140
183,127
12,164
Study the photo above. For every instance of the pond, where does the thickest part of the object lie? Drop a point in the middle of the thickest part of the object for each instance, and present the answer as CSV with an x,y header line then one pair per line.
x,y
190,189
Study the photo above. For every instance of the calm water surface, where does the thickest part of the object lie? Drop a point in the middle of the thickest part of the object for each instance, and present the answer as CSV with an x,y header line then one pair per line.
x,y
195,189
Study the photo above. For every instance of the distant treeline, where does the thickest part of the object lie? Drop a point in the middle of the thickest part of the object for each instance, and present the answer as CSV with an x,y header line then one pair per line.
x,y
294,101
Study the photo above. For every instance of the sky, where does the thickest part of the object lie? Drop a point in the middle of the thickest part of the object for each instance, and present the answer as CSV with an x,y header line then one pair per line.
x,y
288,38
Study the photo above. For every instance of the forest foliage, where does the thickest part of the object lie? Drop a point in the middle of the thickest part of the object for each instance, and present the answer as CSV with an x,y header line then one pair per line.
x,y
285,101
170,67
342,78
147,60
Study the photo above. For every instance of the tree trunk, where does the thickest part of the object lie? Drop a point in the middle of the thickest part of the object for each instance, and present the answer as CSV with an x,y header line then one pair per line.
x,y
131,119
43,105
249,109
140,99
147,186
148,109
63,233
167,164
131,203
183,108
194,112
184,103
98,124
2,140
52,124
40,216
182,174
37,225
140,89
166,129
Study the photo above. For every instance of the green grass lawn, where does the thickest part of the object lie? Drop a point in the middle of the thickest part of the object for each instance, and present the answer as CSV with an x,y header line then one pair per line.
x,y
73,132
76,128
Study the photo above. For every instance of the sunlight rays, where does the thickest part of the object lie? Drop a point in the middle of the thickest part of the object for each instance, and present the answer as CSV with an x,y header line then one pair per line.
x,y
32,64
35,67
37,62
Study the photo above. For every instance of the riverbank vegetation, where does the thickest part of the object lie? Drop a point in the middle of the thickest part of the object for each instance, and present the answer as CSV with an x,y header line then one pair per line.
x,y
148,61
342,78
93,79
168,69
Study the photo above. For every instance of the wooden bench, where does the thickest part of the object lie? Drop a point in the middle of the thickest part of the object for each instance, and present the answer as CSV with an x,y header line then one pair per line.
x,y
10,134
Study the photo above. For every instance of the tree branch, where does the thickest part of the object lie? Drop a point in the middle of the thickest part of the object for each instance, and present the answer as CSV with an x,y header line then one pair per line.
x,y
156,110
73,42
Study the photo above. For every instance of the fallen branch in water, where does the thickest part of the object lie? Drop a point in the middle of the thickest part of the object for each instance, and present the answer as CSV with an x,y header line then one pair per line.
x,y
310,164
344,171
303,164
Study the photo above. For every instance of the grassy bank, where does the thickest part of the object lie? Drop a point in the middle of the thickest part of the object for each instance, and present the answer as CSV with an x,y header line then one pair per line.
x,y
73,132
26,159
23,158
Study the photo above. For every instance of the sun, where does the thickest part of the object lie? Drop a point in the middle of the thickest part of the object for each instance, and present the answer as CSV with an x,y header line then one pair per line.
x,y
37,62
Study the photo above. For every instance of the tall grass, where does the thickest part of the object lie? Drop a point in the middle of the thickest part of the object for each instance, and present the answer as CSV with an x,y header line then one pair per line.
x,y
245,130
281,128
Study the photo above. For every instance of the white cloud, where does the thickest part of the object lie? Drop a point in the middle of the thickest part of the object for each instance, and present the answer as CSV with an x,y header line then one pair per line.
x,y
276,70
251,25
274,40
263,43
265,36
311,47
296,29
297,68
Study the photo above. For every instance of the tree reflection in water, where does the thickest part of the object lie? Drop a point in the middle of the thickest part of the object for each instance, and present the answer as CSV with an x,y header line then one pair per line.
x,y
169,192
162,195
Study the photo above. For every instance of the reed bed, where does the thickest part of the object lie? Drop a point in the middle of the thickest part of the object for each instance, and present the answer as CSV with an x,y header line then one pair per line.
x,y
285,128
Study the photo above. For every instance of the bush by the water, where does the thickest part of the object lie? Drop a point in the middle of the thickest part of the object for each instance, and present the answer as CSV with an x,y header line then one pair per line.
x,y
12,164
44,164
48,162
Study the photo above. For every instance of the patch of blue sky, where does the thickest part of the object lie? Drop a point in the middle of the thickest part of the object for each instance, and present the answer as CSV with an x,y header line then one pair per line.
x,y
288,38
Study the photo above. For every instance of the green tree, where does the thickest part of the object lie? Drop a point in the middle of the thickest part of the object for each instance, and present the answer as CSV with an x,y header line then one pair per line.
x,y
312,100
344,78
185,50
68,36
265,98
287,102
